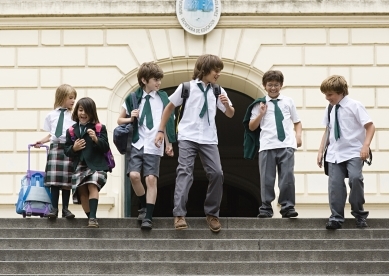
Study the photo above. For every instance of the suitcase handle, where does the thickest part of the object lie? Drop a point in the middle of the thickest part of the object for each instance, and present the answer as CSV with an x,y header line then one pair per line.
x,y
29,152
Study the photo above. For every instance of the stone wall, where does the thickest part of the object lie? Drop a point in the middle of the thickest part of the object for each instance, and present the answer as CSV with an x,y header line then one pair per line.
x,y
97,46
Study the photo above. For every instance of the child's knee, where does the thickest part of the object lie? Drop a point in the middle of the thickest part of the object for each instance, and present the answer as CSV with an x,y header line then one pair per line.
x,y
134,176
151,181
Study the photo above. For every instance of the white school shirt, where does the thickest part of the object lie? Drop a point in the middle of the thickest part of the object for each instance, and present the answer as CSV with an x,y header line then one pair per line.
x,y
50,124
268,137
353,117
192,127
147,136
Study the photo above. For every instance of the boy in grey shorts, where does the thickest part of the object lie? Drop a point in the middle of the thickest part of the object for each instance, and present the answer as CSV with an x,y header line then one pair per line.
x,y
145,155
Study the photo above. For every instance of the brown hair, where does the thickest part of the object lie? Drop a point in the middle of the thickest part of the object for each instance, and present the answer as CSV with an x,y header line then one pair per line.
x,y
89,107
147,71
272,75
62,93
205,64
334,83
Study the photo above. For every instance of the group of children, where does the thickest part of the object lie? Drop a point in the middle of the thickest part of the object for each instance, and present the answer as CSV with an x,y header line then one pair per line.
x,y
272,128
75,161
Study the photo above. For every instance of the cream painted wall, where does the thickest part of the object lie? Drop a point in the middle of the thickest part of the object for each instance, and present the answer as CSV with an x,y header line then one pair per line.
x,y
100,61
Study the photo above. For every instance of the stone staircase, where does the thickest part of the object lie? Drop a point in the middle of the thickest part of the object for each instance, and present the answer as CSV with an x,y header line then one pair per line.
x,y
245,246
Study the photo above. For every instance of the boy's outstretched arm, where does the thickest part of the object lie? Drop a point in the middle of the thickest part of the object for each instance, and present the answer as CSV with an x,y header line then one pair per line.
x,y
165,117
370,130
168,146
230,111
298,128
320,153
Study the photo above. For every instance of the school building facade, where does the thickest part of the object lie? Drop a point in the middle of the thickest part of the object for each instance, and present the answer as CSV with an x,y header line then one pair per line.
x,y
97,47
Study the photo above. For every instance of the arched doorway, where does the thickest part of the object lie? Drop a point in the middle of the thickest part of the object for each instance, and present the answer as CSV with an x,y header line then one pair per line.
x,y
241,192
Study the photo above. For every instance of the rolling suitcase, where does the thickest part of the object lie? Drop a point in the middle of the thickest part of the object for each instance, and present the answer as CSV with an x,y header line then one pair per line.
x,y
34,198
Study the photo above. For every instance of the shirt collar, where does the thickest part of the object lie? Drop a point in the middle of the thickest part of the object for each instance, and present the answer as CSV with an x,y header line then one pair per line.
x,y
152,94
280,97
202,83
58,108
344,101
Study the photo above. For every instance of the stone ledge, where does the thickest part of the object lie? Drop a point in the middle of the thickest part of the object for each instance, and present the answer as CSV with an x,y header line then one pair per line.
x,y
167,7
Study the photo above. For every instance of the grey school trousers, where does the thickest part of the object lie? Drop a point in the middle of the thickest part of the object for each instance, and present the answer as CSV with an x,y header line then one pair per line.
x,y
283,160
337,192
210,158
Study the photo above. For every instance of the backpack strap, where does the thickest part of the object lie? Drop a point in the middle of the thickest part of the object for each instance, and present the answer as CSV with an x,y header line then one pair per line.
x,y
98,127
368,161
329,112
71,132
216,90
186,92
134,100
184,95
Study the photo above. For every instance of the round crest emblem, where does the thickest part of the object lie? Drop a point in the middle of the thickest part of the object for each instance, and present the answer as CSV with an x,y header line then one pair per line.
x,y
198,17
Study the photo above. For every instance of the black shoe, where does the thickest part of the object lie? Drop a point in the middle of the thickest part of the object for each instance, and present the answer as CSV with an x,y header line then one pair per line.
x,y
290,214
67,214
333,224
53,214
147,224
361,223
264,215
142,214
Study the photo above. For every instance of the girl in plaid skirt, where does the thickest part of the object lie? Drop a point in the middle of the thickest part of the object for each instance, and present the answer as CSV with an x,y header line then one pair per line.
x,y
87,152
59,167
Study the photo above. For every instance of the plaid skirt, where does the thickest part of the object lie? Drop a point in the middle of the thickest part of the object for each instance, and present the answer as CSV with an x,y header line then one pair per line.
x,y
59,168
85,175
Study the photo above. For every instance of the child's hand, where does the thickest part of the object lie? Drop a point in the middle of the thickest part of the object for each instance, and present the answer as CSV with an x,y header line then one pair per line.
x,y
135,113
79,144
364,152
38,144
169,150
262,108
319,159
223,99
299,141
92,135
158,139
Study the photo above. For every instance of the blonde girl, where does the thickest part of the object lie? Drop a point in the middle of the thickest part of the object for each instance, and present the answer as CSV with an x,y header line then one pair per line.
x,y
59,167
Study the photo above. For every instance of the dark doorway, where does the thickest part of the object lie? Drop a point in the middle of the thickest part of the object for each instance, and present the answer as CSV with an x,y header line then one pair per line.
x,y
241,191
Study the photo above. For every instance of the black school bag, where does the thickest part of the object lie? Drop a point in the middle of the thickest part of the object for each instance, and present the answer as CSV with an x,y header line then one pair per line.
x,y
122,134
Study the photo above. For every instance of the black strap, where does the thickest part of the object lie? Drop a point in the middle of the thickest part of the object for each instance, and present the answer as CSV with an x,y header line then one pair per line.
x,y
185,92
367,161
129,138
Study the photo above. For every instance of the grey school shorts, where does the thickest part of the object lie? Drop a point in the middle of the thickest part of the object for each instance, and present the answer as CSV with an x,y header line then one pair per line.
x,y
139,161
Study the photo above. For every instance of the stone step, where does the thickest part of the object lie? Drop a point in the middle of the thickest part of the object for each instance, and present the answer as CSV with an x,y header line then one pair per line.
x,y
194,223
127,255
322,244
151,244
205,268
195,244
122,233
